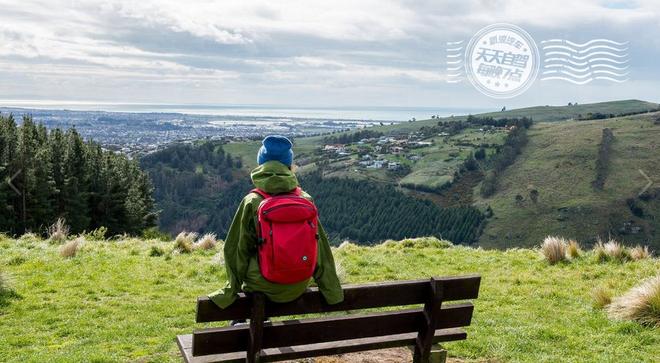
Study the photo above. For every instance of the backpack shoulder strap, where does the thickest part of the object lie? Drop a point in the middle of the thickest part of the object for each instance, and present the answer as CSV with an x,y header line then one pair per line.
x,y
260,192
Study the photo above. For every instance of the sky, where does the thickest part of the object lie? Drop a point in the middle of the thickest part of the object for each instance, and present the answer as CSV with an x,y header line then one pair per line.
x,y
301,53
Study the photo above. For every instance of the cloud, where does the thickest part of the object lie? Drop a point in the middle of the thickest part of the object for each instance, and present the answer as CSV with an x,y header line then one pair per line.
x,y
248,51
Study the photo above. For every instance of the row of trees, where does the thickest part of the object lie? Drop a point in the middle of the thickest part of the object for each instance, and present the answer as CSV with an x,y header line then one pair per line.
x,y
602,116
351,137
370,212
454,127
50,175
603,159
506,154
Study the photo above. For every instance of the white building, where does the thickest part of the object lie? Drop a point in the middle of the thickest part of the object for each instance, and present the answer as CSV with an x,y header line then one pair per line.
x,y
393,165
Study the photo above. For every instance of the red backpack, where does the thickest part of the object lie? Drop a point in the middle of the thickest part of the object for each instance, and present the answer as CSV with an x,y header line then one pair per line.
x,y
287,235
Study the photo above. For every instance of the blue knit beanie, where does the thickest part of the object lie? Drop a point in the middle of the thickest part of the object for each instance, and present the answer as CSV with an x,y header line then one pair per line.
x,y
275,147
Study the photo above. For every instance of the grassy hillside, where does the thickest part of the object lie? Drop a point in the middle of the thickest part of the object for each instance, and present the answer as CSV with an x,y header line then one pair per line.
x,y
539,113
248,150
114,302
560,162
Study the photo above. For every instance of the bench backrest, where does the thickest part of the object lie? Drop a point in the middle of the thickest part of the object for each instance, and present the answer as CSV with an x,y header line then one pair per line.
x,y
424,321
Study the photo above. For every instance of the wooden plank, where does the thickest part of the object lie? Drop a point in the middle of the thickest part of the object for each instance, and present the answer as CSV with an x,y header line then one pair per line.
x,y
312,331
185,347
256,328
356,297
319,349
432,309
357,345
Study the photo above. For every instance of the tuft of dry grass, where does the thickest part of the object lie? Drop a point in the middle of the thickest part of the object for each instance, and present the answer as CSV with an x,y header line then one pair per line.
x,y
206,242
573,249
58,232
611,251
183,243
70,249
554,249
599,252
639,253
640,304
601,297
615,250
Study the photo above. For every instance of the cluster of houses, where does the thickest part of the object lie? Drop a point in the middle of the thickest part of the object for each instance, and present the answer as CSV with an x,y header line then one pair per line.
x,y
374,151
379,163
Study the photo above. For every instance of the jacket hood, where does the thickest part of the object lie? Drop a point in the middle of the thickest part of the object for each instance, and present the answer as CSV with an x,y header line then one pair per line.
x,y
273,177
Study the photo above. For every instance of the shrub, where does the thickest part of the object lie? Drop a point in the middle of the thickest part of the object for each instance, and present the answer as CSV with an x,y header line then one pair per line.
x,y
183,242
639,253
70,249
640,304
601,297
156,251
554,249
58,231
206,242
97,234
573,249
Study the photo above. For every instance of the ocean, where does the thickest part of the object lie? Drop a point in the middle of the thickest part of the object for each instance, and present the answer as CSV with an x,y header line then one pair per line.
x,y
377,113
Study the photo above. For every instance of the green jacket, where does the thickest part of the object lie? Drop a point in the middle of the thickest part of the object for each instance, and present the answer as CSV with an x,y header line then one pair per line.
x,y
241,248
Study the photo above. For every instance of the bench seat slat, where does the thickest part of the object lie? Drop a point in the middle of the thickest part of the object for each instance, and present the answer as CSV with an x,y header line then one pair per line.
x,y
318,330
319,349
356,297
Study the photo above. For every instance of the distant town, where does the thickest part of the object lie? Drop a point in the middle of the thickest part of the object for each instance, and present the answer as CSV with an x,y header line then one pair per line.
x,y
135,133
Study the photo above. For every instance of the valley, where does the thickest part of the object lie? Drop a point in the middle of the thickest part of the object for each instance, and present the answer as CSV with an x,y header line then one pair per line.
x,y
546,190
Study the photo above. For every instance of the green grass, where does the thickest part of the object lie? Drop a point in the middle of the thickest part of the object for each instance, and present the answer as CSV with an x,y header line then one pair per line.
x,y
559,161
246,150
437,165
115,303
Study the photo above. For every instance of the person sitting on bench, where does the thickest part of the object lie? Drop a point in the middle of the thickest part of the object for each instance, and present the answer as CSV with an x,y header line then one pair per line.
x,y
275,244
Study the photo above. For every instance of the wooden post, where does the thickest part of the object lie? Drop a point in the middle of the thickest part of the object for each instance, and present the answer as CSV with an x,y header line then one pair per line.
x,y
426,333
438,354
256,328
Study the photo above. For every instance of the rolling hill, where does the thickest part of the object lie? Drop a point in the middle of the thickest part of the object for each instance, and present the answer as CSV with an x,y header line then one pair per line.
x,y
547,190
560,162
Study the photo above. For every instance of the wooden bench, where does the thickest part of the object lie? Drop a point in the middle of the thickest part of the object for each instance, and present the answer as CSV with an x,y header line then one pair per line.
x,y
420,327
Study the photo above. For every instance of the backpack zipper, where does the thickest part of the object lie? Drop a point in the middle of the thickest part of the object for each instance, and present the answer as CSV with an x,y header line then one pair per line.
x,y
282,206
